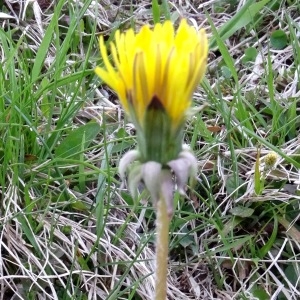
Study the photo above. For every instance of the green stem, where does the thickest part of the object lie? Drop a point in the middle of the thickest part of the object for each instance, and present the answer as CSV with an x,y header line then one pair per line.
x,y
162,247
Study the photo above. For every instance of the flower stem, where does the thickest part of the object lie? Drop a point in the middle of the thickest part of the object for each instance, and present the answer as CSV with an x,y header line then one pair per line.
x,y
162,247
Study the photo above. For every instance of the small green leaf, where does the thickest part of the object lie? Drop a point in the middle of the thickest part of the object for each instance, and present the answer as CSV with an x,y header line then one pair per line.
x,y
79,205
82,262
250,55
67,229
292,274
260,293
251,52
71,146
226,73
278,39
241,211
120,147
121,133
187,240
128,198
233,186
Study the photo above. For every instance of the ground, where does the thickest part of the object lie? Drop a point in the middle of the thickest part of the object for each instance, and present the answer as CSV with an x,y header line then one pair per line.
x,y
71,230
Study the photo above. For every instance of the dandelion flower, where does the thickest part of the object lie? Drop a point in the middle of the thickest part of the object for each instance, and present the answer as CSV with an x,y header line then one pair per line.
x,y
154,73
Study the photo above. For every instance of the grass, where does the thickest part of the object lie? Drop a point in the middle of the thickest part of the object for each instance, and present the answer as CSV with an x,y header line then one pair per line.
x,y
68,231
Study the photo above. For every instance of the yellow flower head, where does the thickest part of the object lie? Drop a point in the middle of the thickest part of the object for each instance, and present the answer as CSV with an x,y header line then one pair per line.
x,y
156,66
155,73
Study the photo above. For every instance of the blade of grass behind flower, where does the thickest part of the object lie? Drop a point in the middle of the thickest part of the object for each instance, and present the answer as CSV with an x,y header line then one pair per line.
x,y
271,239
241,111
257,177
224,51
155,11
44,46
241,19
166,9
103,186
